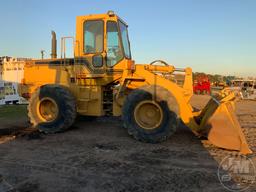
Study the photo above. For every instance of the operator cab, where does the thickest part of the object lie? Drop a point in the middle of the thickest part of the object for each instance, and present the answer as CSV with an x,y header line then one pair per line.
x,y
103,40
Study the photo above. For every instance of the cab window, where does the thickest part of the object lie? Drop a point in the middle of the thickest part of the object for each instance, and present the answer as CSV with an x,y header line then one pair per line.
x,y
114,49
93,36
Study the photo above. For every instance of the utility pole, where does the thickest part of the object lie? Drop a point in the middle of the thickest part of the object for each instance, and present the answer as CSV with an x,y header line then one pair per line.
x,y
42,54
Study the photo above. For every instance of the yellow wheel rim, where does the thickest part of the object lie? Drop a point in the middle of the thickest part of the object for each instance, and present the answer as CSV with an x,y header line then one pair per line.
x,y
47,109
148,114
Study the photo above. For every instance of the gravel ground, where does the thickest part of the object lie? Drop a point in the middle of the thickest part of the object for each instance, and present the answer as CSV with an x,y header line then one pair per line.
x,y
100,156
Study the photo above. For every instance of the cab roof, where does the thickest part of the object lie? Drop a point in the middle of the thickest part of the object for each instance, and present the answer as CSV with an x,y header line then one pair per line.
x,y
108,15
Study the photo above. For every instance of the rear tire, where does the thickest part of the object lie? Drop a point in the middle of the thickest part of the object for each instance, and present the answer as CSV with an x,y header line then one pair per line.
x,y
150,127
52,109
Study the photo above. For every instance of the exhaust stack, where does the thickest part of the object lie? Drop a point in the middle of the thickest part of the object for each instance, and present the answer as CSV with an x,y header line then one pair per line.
x,y
54,46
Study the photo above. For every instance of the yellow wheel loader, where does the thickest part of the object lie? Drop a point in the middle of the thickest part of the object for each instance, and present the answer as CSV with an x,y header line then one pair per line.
x,y
102,79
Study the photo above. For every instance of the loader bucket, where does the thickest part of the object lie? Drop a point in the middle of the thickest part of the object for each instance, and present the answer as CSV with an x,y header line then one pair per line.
x,y
219,124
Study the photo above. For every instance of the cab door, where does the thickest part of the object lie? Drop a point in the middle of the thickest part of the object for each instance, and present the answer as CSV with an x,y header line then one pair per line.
x,y
114,46
93,45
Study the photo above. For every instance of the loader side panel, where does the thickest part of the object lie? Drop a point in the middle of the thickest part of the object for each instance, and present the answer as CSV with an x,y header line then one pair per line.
x,y
38,75
88,94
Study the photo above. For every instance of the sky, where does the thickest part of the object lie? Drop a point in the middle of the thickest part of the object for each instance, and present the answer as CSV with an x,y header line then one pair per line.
x,y
212,36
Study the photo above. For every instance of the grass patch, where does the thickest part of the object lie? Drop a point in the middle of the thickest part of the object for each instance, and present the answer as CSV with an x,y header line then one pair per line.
x,y
13,112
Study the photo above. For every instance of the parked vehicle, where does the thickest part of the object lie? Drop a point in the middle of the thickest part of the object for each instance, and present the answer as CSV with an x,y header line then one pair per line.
x,y
202,85
244,89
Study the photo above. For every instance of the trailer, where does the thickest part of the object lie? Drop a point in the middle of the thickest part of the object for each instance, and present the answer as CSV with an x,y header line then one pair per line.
x,y
12,72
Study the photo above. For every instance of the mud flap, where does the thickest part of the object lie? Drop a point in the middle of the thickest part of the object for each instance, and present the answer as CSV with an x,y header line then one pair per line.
x,y
220,125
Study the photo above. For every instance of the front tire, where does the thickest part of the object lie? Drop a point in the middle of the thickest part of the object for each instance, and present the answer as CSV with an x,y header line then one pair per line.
x,y
150,117
52,109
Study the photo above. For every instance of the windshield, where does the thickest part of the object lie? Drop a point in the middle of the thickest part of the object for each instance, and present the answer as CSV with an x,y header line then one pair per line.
x,y
125,40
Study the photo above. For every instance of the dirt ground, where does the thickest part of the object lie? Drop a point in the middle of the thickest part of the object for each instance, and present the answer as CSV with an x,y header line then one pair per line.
x,y
99,155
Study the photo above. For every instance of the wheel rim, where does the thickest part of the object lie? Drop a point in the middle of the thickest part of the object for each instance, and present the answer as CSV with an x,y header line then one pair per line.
x,y
48,109
148,114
